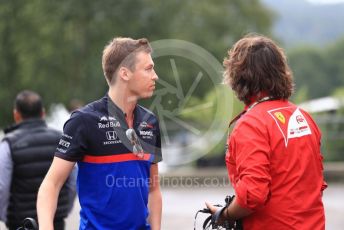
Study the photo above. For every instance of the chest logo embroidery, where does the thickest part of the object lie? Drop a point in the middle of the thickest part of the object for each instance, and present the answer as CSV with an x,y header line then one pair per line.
x,y
280,117
112,138
298,126
111,135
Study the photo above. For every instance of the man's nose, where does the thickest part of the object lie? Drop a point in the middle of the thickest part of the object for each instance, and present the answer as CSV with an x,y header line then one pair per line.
x,y
155,76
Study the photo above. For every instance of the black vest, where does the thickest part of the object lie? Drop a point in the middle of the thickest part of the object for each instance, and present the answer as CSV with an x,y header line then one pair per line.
x,y
32,146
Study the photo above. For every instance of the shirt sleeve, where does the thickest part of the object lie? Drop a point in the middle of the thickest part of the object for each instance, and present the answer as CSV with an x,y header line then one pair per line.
x,y
250,146
6,168
73,143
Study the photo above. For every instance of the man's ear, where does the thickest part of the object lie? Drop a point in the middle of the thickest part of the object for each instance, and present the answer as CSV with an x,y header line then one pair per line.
x,y
124,73
43,113
17,116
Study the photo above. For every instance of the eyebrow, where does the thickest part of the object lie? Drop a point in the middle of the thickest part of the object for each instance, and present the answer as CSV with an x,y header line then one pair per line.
x,y
150,65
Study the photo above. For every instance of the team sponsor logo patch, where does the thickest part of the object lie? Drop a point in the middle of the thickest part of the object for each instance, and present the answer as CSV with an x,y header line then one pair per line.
x,y
146,125
146,134
105,118
298,126
64,143
112,138
291,123
280,117
109,124
111,135
67,136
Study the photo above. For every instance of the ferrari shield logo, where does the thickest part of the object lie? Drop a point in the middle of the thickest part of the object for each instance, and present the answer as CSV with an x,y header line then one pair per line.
x,y
280,117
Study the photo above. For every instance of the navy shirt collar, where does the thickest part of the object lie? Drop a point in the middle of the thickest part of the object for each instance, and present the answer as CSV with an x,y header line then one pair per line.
x,y
118,113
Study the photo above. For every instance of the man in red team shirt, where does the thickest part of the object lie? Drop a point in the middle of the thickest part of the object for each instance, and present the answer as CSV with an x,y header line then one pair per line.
x,y
273,157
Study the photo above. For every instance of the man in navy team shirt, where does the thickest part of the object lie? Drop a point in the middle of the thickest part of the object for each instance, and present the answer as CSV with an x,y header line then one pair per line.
x,y
118,185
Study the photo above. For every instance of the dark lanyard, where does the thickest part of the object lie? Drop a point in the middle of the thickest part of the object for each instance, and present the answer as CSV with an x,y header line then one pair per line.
x,y
248,109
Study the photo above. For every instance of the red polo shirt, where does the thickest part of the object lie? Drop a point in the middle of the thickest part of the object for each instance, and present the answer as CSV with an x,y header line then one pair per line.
x,y
275,166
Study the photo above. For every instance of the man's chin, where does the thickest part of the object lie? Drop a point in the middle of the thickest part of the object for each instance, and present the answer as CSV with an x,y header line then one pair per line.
x,y
146,95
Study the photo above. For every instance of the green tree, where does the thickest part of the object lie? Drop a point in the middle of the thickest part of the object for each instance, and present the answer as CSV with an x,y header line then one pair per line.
x,y
318,71
54,47
332,126
310,66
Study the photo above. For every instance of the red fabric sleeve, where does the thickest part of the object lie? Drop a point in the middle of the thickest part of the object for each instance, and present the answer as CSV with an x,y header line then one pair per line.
x,y
250,147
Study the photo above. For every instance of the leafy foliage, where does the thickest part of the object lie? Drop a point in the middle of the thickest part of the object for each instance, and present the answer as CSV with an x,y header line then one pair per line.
x,y
54,47
318,71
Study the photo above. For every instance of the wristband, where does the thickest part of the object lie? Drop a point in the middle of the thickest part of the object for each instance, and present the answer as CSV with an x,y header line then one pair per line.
x,y
216,216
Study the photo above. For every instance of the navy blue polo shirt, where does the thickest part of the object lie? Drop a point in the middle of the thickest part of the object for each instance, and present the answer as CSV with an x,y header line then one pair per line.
x,y
113,183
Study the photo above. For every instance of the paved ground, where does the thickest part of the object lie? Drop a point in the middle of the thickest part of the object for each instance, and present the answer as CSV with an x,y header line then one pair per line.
x,y
181,204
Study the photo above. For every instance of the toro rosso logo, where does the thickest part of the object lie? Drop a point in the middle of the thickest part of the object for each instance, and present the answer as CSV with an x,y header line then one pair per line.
x,y
146,125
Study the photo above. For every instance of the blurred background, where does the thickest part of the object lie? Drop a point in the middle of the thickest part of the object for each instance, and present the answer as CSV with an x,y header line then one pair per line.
x,y
55,47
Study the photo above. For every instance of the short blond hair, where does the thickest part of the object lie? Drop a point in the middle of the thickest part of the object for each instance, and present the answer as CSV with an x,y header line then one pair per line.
x,y
122,52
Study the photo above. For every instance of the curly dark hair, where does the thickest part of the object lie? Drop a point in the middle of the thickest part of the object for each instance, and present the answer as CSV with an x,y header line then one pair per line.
x,y
256,66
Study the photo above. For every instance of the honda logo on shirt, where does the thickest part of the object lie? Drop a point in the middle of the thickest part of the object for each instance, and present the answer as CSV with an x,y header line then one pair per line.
x,y
111,135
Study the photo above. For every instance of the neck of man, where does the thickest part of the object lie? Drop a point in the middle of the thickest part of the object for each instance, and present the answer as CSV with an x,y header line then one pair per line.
x,y
121,96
